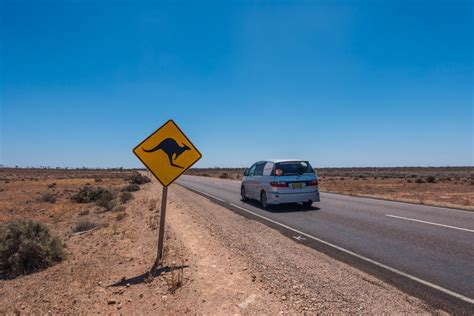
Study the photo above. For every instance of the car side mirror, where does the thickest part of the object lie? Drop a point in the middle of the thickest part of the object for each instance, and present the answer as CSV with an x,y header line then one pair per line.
x,y
246,172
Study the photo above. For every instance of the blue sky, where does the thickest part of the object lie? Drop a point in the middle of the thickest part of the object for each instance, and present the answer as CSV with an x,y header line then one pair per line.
x,y
340,83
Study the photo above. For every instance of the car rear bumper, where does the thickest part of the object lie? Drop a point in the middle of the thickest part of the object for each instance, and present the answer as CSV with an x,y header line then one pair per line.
x,y
281,198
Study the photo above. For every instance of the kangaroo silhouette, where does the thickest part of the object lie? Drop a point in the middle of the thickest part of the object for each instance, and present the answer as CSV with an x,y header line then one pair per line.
x,y
171,148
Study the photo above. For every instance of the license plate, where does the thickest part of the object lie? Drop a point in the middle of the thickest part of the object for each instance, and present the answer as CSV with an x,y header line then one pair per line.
x,y
297,185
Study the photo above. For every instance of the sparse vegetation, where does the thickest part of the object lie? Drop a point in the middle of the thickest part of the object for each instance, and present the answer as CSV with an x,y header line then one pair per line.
x,y
91,194
138,178
431,179
51,185
106,200
125,197
120,216
131,188
83,226
224,175
175,278
420,180
84,212
27,246
48,197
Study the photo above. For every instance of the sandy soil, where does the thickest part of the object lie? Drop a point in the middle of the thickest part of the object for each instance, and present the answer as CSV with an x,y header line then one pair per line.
x,y
448,194
105,269
229,264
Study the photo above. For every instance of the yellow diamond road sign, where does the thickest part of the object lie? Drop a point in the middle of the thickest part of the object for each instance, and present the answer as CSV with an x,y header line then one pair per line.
x,y
167,153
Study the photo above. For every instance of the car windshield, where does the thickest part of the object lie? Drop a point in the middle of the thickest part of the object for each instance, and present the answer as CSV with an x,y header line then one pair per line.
x,y
292,168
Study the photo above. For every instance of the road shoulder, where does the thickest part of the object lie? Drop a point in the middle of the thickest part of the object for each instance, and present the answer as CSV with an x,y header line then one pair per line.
x,y
298,276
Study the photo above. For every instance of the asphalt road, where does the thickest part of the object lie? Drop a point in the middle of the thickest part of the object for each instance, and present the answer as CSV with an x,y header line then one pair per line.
x,y
429,245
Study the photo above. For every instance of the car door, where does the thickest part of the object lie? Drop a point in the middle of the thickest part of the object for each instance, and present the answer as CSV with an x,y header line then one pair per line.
x,y
248,182
257,179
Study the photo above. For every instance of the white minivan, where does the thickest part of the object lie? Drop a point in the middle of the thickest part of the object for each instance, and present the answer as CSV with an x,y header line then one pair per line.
x,y
280,181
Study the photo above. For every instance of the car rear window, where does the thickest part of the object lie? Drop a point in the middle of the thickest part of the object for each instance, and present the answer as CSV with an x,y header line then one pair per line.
x,y
292,168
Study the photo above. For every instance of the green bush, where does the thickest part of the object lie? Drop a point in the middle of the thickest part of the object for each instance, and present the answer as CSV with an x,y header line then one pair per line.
x,y
431,179
90,194
106,200
84,226
48,197
27,246
125,197
131,188
138,178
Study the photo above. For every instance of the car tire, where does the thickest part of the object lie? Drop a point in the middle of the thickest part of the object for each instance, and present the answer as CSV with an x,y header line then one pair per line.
x,y
263,200
308,204
243,194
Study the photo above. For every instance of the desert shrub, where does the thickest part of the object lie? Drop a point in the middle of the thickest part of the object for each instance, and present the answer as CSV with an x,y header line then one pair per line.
x,y
431,179
48,197
51,185
131,188
224,175
90,194
97,179
409,181
27,246
106,200
120,216
83,226
420,180
84,212
125,197
472,182
138,178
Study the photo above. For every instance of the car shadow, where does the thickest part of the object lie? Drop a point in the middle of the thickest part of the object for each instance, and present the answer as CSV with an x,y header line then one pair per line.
x,y
284,208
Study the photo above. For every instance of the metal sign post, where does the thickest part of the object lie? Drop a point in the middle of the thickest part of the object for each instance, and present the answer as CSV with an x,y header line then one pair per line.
x,y
167,153
161,235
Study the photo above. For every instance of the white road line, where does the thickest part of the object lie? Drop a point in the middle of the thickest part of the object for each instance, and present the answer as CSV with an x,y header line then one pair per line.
x,y
431,223
409,276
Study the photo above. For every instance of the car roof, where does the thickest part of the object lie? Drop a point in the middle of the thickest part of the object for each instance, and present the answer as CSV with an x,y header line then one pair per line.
x,y
284,160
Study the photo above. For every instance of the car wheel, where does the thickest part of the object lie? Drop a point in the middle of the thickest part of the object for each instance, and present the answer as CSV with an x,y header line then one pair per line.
x,y
263,199
308,203
243,194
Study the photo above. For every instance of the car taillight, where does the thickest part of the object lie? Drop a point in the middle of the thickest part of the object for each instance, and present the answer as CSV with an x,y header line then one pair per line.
x,y
279,184
312,183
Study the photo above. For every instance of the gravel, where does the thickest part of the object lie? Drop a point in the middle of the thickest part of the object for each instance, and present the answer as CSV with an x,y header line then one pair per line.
x,y
305,279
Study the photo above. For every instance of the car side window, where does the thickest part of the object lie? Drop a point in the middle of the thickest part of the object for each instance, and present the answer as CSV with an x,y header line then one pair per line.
x,y
259,169
251,170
